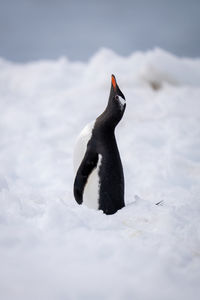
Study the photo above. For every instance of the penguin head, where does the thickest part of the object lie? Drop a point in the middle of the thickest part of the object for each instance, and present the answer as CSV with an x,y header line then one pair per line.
x,y
117,101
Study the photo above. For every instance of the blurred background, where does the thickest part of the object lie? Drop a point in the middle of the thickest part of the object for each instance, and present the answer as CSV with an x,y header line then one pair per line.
x,y
47,29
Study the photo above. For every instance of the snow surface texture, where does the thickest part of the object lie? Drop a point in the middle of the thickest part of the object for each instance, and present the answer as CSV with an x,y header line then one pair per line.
x,y
50,247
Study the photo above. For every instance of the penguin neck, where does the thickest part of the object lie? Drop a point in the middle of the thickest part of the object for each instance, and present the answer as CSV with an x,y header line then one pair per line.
x,y
107,120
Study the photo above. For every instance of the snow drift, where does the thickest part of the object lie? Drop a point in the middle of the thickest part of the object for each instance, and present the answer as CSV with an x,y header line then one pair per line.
x,y
51,248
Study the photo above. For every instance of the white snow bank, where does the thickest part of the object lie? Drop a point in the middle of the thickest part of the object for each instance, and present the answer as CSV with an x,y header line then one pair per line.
x,y
51,248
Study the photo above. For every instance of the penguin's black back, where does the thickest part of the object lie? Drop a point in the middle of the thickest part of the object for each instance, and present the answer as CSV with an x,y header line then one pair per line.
x,y
111,177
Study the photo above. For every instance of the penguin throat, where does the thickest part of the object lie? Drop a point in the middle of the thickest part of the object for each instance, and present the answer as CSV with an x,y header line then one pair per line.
x,y
109,119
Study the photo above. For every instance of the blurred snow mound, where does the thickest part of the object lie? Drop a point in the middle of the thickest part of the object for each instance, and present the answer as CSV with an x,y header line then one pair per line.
x,y
154,67
160,66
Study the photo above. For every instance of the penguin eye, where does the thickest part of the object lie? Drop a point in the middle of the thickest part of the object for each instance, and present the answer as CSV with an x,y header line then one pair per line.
x,y
121,101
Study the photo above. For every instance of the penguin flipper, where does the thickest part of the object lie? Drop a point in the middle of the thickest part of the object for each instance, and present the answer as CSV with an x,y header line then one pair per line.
x,y
87,165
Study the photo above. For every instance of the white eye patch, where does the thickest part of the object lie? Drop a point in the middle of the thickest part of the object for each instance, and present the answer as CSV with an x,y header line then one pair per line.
x,y
120,100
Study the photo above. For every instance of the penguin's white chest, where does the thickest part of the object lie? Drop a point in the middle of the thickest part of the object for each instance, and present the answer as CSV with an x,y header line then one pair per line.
x,y
92,187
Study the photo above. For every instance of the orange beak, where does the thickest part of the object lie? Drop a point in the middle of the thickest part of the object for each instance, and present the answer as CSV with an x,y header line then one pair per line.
x,y
114,83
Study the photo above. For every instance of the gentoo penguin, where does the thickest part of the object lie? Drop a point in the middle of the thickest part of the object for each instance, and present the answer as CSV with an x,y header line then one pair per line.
x,y
99,181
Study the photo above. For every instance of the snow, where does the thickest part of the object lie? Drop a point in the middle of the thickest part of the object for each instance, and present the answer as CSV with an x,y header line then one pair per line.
x,y
52,248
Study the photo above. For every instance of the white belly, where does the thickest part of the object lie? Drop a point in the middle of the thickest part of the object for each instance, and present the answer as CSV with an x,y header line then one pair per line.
x,y
91,190
81,145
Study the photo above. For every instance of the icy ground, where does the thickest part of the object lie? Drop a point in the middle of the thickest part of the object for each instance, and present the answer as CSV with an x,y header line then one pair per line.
x,y
53,249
